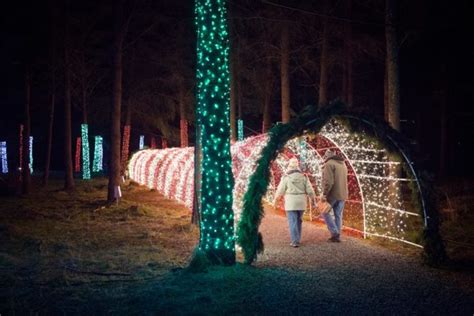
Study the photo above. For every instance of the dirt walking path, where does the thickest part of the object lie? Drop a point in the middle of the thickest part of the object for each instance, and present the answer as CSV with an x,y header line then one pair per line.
x,y
358,277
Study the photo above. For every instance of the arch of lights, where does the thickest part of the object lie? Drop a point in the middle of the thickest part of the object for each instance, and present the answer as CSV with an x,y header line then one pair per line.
x,y
379,203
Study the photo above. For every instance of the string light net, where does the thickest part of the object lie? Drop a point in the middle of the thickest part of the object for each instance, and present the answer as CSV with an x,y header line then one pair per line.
x,y
213,111
3,156
98,154
379,204
86,162
77,161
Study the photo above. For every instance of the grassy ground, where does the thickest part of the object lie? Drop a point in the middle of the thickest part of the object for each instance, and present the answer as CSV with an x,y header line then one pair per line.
x,y
67,253
64,239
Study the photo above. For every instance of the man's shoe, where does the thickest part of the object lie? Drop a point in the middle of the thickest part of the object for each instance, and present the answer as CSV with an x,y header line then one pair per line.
x,y
334,239
294,245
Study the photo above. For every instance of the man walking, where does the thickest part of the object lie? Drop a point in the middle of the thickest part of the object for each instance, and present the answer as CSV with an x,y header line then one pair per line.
x,y
295,186
335,192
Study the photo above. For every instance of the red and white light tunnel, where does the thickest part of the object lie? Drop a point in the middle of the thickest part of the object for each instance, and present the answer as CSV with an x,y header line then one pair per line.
x,y
380,192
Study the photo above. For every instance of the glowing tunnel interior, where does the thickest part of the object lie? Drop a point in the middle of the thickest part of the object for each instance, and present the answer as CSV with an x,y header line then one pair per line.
x,y
380,189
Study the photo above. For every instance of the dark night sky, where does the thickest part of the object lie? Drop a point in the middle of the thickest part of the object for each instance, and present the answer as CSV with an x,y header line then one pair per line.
x,y
437,58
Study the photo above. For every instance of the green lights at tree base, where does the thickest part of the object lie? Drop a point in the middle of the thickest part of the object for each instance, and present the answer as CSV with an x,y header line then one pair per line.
x,y
213,116
86,165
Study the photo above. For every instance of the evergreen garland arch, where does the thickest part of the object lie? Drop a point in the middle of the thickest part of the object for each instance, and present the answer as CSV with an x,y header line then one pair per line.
x,y
312,120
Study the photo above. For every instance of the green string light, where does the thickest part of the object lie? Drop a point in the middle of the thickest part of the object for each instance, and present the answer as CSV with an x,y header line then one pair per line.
x,y
98,154
30,164
213,99
240,133
86,164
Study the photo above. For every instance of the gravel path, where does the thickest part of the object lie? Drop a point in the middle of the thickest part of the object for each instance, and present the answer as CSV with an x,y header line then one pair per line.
x,y
357,277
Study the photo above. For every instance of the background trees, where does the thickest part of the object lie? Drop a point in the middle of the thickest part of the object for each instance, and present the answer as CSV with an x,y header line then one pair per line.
x,y
322,52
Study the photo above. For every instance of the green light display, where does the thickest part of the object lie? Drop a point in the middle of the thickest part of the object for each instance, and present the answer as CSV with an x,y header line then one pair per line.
x,y
31,154
213,99
86,164
241,129
98,155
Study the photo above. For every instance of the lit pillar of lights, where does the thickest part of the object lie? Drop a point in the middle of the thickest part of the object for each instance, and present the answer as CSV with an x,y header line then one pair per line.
x,y
184,132
164,143
98,154
213,110
77,162
142,142
86,162
153,142
30,147
240,132
125,147
3,156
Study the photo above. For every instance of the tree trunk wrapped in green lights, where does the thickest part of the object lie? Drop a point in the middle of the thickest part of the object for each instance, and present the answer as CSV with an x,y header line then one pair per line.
x,y
213,98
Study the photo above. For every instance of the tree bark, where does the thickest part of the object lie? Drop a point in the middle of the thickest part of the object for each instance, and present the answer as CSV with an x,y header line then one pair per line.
x,y
385,90
68,179
267,98
126,139
324,68
25,172
233,85
49,141
114,165
285,74
443,149
347,77
393,78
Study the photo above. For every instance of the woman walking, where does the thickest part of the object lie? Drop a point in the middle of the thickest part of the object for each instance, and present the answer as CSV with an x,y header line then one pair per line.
x,y
295,186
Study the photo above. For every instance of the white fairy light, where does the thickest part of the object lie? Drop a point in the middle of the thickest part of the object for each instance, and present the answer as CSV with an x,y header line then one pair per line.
x,y
375,206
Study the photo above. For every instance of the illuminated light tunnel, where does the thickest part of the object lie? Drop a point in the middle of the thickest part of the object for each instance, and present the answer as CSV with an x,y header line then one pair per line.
x,y
380,190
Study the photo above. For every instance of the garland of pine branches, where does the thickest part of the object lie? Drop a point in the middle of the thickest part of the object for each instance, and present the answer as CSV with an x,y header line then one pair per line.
x,y
312,120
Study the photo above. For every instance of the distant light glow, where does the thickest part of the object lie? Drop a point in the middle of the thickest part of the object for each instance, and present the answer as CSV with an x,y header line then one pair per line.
x,y
98,154
142,142
86,162
30,147
164,143
240,133
3,156
77,164
153,142
184,133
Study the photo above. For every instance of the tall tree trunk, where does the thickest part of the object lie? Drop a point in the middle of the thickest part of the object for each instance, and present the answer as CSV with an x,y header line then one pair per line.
x,y
324,68
233,95
126,138
25,172
114,165
267,98
49,141
347,77
392,64
285,73
183,122
52,96
68,178
385,90
443,150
